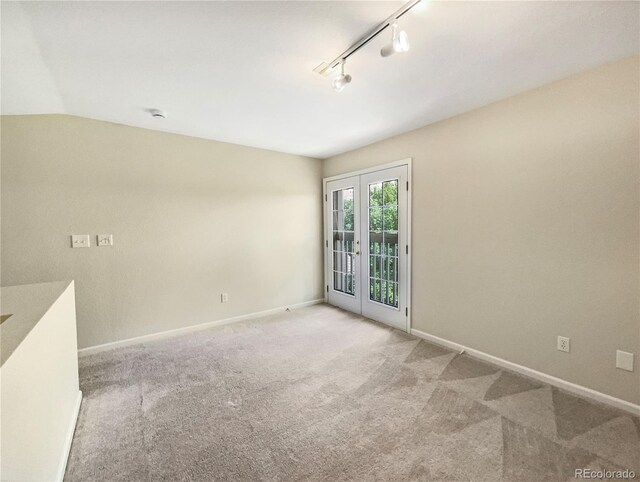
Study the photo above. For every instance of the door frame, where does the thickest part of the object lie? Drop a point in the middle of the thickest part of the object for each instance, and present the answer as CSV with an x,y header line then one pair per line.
x,y
325,231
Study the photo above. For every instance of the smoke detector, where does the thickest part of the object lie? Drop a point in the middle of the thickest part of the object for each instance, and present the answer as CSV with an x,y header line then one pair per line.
x,y
157,113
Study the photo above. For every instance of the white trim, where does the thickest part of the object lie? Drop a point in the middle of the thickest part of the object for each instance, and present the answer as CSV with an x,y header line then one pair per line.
x,y
401,162
409,242
543,377
325,241
62,467
187,329
368,170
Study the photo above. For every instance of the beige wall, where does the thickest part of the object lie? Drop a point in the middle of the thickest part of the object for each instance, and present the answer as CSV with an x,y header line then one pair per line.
x,y
526,226
190,218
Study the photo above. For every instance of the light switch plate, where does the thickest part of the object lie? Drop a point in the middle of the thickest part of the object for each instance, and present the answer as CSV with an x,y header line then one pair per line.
x,y
104,239
624,360
80,241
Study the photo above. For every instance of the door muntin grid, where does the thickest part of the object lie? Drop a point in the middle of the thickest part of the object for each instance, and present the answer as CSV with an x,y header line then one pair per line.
x,y
383,242
343,241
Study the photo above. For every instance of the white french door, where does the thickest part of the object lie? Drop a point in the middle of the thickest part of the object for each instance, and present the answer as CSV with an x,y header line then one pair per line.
x,y
343,210
367,225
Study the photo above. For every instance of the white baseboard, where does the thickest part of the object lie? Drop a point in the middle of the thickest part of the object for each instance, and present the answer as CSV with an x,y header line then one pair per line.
x,y
543,377
62,467
202,326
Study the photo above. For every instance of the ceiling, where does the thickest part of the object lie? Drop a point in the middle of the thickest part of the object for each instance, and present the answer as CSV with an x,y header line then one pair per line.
x,y
242,72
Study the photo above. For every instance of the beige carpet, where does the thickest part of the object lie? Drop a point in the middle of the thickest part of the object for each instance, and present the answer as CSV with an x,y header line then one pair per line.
x,y
320,394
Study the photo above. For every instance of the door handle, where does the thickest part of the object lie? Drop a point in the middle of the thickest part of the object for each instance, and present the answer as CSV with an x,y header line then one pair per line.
x,y
357,253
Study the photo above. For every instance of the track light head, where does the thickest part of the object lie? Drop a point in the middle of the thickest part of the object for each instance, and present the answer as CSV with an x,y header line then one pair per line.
x,y
340,82
399,42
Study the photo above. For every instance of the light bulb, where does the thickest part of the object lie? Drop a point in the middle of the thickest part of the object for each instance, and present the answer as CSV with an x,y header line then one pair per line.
x,y
401,42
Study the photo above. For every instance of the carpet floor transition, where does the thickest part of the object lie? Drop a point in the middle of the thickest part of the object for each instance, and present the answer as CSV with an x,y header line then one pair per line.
x,y
321,394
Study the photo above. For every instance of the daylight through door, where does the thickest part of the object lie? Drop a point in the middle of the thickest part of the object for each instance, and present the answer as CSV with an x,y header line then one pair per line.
x,y
367,244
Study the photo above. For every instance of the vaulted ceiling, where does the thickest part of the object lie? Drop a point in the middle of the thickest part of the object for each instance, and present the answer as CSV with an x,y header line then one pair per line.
x,y
242,72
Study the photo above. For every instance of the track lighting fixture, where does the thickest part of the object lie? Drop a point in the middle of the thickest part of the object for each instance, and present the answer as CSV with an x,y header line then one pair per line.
x,y
399,42
340,82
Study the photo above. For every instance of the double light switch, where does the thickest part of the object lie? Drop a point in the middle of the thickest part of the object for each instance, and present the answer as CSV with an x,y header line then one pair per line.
x,y
83,241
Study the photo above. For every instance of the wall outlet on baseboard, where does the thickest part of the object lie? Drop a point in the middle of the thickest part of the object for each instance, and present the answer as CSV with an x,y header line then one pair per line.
x,y
564,343
224,297
624,360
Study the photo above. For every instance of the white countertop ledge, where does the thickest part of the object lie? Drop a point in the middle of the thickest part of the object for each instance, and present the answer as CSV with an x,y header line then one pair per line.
x,y
27,304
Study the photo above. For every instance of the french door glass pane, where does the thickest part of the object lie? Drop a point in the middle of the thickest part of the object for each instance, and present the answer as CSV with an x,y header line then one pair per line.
x,y
343,241
383,242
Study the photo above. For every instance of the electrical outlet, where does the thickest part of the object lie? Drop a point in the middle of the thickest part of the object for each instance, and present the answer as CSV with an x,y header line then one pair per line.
x,y
80,241
624,360
224,297
564,343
